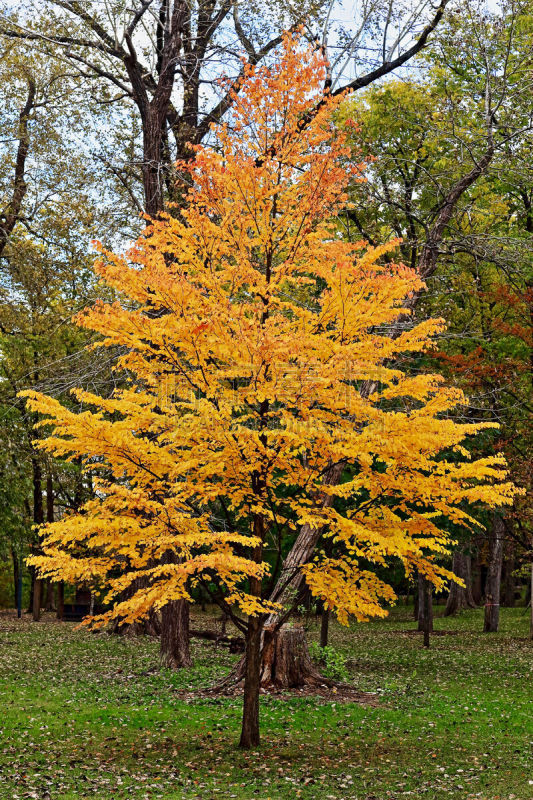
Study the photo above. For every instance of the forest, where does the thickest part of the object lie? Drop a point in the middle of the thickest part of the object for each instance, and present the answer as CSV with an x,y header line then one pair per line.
x,y
266,394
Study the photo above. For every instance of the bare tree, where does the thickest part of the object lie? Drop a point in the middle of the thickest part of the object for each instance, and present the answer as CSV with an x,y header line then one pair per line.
x,y
167,57
10,214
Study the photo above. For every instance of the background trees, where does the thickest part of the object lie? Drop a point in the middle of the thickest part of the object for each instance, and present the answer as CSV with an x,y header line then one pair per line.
x,y
52,202
442,142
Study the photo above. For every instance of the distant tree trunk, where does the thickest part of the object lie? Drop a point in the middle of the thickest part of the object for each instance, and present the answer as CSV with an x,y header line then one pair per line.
x,y
531,603
31,572
37,599
425,619
460,598
509,587
425,605
38,518
49,597
60,600
494,574
477,579
175,651
15,576
324,627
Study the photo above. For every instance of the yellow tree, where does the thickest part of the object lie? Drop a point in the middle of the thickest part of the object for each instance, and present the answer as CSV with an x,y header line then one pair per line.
x,y
251,334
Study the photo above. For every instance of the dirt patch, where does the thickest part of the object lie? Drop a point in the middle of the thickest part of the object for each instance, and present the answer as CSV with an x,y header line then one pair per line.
x,y
339,693
421,633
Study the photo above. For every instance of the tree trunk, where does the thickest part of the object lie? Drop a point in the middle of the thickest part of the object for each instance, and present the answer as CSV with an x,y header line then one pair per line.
x,y
60,600
49,601
425,605
477,580
175,652
252,667
324,627
510,580
285,659
531,604
38,518
37,595
460,598
15,576
290,580
152,168
152,624
494,574
31,571
427,610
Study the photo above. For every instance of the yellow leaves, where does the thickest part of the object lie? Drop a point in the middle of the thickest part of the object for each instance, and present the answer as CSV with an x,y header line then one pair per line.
x,y
350,591
258,349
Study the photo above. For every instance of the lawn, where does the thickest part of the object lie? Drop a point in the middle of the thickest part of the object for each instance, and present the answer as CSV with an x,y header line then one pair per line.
x,y
93,716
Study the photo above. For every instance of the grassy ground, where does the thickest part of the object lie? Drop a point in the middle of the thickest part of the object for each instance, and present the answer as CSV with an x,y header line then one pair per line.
x,y
93,716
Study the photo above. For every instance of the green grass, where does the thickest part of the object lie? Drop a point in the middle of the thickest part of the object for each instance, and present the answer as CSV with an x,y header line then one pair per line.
x,y
92,716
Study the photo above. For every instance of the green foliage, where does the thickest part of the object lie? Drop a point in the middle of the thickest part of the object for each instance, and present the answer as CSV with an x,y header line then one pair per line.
x,y
333,663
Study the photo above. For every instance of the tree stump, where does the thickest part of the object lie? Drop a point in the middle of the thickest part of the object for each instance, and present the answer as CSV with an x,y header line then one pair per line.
x,y
285,661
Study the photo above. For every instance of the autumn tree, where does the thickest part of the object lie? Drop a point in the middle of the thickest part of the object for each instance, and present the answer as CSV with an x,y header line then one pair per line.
x,y
249,387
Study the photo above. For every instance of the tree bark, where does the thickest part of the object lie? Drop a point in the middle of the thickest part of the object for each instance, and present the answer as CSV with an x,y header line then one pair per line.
x,y
175,651
290,580
477,578
60,600
38,518
531,603
510,580
16,568
285,662
324,627
494,574
252,665
10,214
37,596
31,571
49,597
460,598
49,587
425,605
